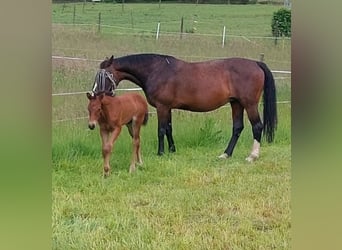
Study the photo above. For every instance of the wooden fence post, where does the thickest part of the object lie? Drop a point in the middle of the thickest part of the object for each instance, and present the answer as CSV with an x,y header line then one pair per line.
x,y
74,15
99,26
158,27
223,36
181,28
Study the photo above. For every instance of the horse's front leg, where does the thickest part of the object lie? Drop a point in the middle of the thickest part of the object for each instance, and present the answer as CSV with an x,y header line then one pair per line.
x,y
107,146
106,150
169,137
162,113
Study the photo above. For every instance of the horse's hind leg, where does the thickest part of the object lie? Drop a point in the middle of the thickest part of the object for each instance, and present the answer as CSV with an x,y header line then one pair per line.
x,y
257,127
237,115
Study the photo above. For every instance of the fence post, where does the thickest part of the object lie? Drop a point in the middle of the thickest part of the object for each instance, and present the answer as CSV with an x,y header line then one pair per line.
x,y
99,25
74,14
181,28
158,27
132,19
223,36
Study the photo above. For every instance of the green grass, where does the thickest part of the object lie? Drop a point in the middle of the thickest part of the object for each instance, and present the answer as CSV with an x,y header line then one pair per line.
x,y
186,200
239,19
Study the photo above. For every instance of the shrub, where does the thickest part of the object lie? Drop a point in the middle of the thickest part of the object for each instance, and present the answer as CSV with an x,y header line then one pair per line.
x,y
281,23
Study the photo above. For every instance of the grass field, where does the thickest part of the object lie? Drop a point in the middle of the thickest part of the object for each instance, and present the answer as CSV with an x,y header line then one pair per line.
x,y
186,200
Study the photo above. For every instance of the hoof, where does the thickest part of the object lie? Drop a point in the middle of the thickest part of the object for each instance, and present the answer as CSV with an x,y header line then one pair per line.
x,y
131,169
223,156
251,158
172,149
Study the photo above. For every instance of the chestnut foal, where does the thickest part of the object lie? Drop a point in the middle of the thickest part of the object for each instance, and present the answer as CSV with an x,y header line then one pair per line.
x,y
111,113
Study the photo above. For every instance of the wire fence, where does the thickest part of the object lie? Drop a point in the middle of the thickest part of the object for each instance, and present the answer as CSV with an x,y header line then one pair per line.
x,y
130,89
282,72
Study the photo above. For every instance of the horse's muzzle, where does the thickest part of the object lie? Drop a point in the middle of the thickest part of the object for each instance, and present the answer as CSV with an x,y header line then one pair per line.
x,y
91,126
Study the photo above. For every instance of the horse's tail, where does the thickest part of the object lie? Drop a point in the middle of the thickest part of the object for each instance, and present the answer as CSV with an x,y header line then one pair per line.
x,y
270,103
145,118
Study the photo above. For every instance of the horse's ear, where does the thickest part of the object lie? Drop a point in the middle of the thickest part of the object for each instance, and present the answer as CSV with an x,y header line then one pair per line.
x,y
111,59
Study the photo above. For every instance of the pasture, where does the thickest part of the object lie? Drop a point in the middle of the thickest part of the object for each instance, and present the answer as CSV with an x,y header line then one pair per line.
x,y
186,200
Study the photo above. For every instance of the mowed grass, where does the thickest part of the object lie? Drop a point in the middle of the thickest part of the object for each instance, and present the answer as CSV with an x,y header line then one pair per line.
x,y
186,200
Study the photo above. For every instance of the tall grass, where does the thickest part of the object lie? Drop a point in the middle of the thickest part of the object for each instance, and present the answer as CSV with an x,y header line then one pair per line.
x,y
186,200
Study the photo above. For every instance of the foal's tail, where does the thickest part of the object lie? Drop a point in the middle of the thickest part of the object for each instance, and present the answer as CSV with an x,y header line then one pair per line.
x,y
270,103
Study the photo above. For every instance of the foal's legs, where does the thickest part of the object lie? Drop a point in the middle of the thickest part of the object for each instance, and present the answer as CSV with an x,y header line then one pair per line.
x,y
107,145
237,115
134,131
136,145
257,127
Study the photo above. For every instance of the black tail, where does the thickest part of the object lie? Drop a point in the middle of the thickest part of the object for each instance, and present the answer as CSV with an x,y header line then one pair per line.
x,y
270,103
145,118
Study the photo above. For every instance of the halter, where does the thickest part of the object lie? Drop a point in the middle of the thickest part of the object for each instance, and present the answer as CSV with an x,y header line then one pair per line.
x,y
100,82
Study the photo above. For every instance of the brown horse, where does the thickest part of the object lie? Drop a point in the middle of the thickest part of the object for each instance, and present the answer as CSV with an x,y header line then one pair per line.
x,y
111,113
170,83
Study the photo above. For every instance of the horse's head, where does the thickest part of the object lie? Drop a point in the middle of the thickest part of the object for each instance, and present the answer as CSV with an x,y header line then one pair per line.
x,y
107,62
104,78
94,108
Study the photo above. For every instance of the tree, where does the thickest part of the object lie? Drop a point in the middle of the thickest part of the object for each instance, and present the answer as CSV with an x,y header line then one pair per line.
x,y
281,23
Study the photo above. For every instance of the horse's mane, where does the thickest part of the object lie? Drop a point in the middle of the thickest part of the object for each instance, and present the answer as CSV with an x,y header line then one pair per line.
x,y
138,58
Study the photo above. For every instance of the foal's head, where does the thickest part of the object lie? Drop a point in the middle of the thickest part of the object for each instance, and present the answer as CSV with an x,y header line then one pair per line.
x,y
94,109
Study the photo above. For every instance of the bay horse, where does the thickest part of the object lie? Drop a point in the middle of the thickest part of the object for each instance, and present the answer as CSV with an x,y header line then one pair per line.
x,y
171,83
111,113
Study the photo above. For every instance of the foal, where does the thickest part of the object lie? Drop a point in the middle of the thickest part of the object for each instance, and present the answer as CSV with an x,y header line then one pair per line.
x,y
111,113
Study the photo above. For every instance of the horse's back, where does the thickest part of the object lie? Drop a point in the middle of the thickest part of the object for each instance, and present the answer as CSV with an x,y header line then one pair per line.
x,y
136,99
133,103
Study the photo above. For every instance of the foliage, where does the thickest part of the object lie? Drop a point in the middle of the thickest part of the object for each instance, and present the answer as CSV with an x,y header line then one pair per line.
x,y
281,23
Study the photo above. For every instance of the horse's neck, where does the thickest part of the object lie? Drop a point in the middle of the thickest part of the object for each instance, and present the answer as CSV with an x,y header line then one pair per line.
x,y
135,70
133,78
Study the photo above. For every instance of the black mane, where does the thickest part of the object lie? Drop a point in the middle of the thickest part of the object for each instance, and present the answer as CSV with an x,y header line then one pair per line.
x,y
141,59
